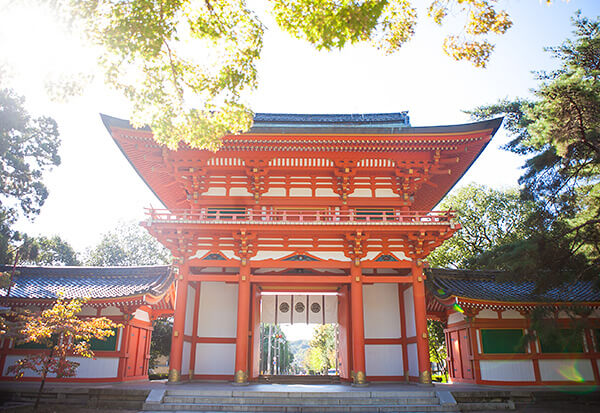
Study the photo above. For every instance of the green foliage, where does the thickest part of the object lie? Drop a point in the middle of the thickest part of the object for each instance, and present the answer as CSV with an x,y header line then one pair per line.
x,y
490,218
161,340
276,356
322,351
28,148
128,244
52,251
438,352
560,132
186,65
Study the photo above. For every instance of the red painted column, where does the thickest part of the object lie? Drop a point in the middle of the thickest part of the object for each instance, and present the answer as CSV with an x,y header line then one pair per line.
x,y
358,326
178,326
421,322
243,323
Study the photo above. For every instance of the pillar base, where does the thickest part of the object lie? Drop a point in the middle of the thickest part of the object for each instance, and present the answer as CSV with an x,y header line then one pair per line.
x,y
425,377
240,378
174,376
359,379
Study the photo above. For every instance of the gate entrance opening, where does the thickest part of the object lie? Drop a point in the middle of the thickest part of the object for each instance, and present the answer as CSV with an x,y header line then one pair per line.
x,y
299,336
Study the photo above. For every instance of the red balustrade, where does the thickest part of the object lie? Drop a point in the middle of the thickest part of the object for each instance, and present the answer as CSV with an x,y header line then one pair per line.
x,y
232,215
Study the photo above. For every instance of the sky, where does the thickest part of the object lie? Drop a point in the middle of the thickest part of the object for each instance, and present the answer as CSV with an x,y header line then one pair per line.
x,y
95,189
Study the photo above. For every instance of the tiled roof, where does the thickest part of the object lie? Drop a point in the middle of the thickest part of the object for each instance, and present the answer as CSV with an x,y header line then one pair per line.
x,y
490,286
389,119
91,282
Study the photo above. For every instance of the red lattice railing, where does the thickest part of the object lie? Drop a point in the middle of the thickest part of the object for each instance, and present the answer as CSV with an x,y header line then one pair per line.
x,y
329,216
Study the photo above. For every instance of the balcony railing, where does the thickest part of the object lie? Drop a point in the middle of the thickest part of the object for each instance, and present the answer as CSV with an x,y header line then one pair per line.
x,y
304,216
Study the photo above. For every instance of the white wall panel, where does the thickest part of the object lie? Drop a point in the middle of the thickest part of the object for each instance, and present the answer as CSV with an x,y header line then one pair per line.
x,y
215,358
456,318
384,360
108,311
413,359
381,311
101,367
141,315
217,316
237,191
185,358
566,370
512,315
487,313
189,311
507,370
409,312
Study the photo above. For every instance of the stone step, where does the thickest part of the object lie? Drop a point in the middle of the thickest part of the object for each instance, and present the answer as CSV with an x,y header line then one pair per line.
x,y
299,394
182,407
304,400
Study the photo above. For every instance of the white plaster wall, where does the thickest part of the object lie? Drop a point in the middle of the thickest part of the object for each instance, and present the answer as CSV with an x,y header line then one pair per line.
x,y
409,312
185,358
110,311
456,318
330,255
384,360
507,370
87,310
237,191
188,328
487,313
385,193
566,370
301,192
381,311
141,315
512,315
101,367
215,358
215,191
275,192
413,359
361,193
325,192
270,255
217,315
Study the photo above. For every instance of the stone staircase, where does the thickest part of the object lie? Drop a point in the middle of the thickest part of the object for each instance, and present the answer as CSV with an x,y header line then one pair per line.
x,y
418,400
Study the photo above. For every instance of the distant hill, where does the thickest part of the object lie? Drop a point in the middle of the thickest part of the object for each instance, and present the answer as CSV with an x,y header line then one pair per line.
x,y
298,346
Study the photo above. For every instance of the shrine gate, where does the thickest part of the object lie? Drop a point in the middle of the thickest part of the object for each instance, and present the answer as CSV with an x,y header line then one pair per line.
x,y
333,204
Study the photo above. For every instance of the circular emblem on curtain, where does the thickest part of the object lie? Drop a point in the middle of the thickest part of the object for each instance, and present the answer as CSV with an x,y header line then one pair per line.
x,y
284,307
299,307
315,307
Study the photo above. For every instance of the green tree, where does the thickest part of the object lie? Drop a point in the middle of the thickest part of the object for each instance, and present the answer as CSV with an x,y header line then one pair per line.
x,y
559,131
161,340
322,351
186,66
489,218
128,244
438,353
52,251
28,148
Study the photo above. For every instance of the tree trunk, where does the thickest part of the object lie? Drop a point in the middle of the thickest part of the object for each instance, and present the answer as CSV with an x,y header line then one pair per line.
x,y
44,374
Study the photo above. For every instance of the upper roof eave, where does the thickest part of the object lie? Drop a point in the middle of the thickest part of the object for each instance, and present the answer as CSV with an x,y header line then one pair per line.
x,y
343,128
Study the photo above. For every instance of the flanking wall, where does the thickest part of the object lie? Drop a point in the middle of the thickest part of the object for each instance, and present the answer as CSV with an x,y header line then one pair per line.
x,y
121,357
489,349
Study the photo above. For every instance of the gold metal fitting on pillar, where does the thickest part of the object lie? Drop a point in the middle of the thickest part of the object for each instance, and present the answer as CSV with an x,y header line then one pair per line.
x,y
174,376
360,379
425,377
241,377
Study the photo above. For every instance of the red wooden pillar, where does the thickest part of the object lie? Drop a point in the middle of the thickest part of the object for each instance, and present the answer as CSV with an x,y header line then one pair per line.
x,y
421,323
358,326
178,326
243,323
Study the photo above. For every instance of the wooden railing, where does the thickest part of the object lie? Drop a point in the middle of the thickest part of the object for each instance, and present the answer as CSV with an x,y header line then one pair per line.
x,y
329,216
